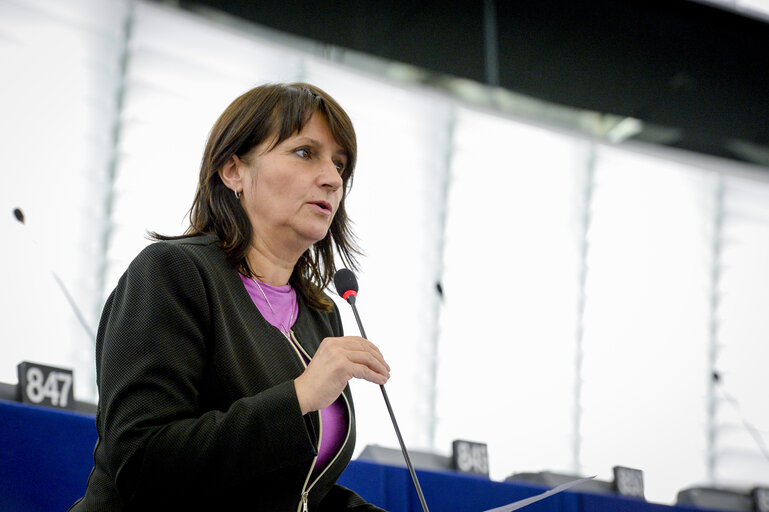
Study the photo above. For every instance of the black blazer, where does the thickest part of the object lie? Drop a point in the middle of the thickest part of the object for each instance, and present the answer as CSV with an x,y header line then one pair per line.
x,y
197,407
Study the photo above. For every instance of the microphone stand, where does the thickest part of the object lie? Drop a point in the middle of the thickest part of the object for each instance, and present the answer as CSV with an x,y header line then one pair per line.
x,y
351,300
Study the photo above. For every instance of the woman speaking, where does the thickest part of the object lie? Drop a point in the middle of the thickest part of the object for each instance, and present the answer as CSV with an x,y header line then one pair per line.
x,y
221,364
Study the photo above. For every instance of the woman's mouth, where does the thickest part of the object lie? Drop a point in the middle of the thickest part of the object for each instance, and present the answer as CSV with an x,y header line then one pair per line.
x,y
323,207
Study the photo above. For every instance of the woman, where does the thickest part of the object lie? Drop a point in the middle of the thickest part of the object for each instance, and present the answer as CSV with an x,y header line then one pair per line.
x,y
221,364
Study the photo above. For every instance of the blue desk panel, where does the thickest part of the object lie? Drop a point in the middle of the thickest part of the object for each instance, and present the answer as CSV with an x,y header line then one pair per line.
x,y
46,456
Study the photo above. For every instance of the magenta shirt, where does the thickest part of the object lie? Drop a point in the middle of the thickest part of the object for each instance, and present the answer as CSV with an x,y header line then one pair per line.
x,y
286,308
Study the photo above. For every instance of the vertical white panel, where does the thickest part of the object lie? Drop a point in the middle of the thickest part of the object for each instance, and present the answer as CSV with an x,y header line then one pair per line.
x,y
742,455
646,318
507,345
60,64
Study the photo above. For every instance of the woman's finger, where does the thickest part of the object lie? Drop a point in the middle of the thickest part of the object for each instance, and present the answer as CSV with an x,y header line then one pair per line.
x,y
370,361
363,345
361,371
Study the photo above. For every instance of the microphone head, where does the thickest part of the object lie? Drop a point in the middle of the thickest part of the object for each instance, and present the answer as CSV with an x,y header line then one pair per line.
x,y
18,214
346,284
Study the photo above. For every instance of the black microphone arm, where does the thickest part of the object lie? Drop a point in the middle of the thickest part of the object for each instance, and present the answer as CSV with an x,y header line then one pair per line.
x,y
347,286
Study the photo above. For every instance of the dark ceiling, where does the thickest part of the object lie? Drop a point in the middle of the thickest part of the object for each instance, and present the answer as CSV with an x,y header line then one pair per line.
x,y
693,72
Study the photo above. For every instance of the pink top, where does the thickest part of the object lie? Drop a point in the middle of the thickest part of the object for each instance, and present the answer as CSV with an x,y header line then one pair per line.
x,y
282,315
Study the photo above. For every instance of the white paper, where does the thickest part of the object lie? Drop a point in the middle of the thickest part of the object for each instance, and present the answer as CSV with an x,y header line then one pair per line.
x,y
528,501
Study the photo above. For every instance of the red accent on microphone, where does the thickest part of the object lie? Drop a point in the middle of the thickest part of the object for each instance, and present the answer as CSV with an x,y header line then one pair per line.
x,y
348,293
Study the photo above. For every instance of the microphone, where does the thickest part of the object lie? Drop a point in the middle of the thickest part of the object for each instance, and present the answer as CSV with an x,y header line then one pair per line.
x,y
347,288
19,215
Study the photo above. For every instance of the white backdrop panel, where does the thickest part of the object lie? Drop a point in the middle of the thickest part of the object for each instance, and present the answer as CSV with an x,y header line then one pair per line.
x,y
646,319
507,345
743,457
59,89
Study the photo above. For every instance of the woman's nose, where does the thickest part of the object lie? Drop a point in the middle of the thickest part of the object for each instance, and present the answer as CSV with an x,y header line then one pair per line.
x,y
330,176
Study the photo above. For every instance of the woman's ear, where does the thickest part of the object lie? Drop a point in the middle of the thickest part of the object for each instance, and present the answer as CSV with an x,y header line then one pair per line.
x,y
231,174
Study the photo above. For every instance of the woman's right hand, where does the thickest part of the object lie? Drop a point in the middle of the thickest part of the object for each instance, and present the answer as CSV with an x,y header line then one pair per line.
x,y
336,361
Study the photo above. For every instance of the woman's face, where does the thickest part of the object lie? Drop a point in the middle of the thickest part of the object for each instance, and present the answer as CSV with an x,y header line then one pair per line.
x,y
292,191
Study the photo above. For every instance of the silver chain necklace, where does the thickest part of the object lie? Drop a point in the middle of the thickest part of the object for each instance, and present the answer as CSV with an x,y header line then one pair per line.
x,y
283,329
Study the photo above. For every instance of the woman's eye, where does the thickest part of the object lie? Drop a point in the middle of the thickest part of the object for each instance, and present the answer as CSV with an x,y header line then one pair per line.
x,y
302,152
340,167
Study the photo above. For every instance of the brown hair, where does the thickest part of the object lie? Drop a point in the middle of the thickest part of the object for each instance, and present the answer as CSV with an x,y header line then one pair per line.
x,y
267,111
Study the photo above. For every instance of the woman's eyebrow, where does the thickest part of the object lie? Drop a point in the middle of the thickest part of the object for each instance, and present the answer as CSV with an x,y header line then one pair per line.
x,y
307,139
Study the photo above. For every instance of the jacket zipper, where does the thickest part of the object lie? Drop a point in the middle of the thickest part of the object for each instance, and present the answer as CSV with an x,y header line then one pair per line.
x,y
305,489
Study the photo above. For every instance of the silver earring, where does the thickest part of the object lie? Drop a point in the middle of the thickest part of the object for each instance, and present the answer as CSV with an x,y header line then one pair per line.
x,y
237,196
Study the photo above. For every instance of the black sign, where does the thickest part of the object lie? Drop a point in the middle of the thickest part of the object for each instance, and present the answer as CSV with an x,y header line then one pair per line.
x,y
470,457
761,499
629,481
45,385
